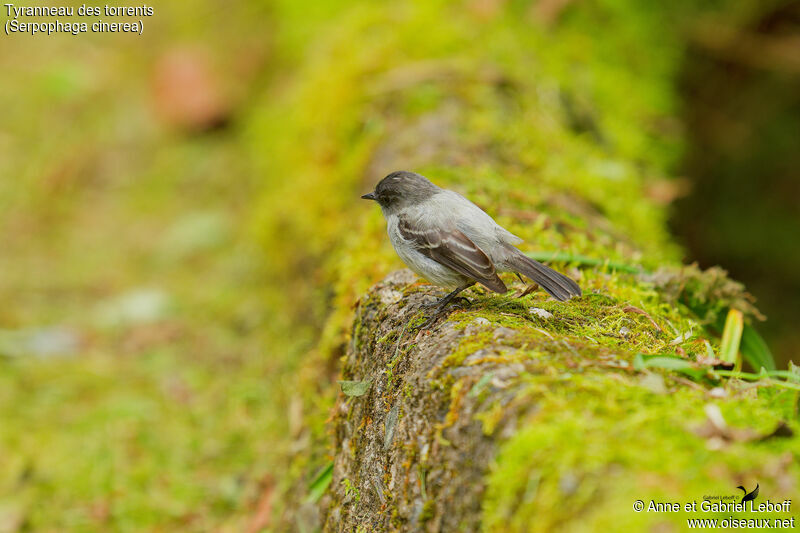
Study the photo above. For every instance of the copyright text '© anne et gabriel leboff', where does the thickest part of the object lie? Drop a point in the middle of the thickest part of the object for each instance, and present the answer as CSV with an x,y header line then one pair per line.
x,y
17,19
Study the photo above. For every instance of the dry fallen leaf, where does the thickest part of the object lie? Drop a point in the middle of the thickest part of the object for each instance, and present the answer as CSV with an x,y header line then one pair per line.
x,y
186,93
263,514
632,309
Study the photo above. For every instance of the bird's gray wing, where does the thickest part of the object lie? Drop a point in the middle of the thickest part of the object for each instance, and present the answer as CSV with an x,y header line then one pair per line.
x,y
453,249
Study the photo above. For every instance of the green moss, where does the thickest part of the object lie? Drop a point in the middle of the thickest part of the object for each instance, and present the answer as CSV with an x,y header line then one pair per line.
x,y
490,417
595,445
427,512
467,346
351,491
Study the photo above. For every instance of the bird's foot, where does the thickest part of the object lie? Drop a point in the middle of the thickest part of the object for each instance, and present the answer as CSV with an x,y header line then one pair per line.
x,y
444,302
441,303
441,309
428,323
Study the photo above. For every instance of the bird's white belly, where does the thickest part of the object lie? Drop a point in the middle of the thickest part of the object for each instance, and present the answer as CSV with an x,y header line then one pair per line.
x,y
424,266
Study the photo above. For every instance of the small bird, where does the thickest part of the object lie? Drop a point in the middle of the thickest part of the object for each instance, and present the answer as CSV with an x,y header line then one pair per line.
x,y
453,243
748,496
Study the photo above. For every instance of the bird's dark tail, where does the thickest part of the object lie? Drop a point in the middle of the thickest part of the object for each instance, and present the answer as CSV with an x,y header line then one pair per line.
x,y
557,285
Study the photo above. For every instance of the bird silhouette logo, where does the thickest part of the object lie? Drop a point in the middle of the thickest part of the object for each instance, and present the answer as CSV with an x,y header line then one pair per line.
x,y
748,496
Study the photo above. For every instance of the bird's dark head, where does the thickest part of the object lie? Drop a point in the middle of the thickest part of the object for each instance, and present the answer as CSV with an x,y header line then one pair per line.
x,y
401,189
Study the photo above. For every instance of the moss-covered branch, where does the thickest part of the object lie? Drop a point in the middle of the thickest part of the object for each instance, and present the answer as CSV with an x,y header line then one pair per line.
x,y
529,415
512,413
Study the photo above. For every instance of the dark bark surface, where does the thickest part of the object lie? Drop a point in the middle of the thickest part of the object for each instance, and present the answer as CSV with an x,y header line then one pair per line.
x,y
410,447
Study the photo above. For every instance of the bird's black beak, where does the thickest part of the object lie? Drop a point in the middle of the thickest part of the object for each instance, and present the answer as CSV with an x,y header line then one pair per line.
x,y
369,196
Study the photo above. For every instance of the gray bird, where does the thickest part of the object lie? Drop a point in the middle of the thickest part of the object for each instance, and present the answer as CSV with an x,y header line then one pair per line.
x,y
453,243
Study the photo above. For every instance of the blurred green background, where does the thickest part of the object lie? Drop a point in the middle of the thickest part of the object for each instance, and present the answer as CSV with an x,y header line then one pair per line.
x,y
145,363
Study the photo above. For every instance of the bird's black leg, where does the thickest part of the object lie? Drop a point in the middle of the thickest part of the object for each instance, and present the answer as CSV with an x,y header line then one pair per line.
x,y
442,303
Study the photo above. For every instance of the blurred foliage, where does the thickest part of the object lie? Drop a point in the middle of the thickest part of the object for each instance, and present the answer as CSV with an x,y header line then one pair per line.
x,y
740,83
708,293
135,349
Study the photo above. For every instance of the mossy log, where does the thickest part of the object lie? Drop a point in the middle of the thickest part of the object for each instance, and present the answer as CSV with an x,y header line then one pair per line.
x,y
514,412
508,416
